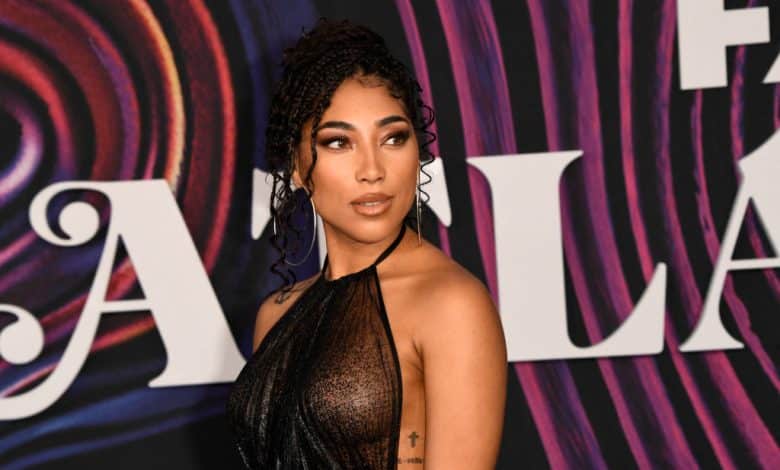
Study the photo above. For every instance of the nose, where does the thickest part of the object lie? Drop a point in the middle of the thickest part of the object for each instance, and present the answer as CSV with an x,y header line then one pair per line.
x,y
370,167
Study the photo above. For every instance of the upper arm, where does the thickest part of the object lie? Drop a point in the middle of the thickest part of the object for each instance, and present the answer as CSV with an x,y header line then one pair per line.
x,y
465,367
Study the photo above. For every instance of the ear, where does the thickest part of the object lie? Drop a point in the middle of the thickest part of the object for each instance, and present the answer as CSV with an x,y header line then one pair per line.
x,y
296,178
296,175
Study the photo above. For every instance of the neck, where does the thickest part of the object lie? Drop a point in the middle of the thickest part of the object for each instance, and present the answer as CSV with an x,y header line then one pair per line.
x,y
347,255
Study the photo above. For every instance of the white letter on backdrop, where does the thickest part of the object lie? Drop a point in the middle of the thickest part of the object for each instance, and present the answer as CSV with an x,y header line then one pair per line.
x,y
705,29
196,337
529,256
759,170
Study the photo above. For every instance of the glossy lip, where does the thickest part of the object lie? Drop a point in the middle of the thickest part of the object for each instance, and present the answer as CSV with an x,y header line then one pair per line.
x,y
370,197
377,209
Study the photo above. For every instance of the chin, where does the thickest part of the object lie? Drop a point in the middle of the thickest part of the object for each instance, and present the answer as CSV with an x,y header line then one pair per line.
x,y
372,231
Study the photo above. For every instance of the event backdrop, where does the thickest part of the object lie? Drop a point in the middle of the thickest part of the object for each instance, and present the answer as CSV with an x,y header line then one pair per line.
x,y
134,238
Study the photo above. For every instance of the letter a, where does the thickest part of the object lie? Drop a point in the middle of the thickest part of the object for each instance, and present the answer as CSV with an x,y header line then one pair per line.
x,y
196,337
759,170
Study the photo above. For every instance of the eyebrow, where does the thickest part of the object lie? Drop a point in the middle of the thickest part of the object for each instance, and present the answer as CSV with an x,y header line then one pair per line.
x,y
349,127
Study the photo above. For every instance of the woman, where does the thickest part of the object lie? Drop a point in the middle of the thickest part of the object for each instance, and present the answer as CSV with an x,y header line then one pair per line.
x,y
392,356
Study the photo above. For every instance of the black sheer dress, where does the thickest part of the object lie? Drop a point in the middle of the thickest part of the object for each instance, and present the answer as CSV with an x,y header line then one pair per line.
x,y
323,389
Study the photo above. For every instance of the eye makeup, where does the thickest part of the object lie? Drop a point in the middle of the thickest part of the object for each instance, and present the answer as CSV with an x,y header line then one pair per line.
x,y
401,137
326,142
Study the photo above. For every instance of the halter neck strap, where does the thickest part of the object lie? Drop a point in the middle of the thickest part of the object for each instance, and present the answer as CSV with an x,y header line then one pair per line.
x,y
385,253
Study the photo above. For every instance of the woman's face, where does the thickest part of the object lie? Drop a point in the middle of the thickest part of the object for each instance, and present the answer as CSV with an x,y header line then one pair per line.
x,y
365,144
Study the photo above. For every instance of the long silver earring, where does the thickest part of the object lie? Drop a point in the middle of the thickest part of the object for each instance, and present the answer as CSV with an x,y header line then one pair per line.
x,y
314,235
417,199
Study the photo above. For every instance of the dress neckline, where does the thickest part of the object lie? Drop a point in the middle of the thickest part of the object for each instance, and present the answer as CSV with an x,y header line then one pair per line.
x,y
379,259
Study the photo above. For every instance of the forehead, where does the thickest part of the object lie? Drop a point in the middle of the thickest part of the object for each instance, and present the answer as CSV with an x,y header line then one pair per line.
x,y
362,101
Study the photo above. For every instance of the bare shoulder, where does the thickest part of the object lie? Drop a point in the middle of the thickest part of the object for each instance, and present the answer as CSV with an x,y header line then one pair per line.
x,y
271,310
464,364
452,301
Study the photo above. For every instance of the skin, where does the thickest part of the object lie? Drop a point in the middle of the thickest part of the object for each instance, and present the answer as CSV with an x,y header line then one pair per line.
x,y
446,327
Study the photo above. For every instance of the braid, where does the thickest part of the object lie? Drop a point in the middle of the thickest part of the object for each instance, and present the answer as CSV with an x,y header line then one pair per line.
x,y
313,69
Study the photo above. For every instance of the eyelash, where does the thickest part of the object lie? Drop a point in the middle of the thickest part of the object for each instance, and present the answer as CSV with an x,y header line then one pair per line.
x,y
403,136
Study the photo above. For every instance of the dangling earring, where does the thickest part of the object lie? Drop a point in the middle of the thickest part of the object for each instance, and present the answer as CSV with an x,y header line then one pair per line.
x,y
314,236
417,199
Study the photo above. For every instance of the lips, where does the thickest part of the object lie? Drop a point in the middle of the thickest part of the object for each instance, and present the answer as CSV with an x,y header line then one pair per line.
x,y
371,203
370,198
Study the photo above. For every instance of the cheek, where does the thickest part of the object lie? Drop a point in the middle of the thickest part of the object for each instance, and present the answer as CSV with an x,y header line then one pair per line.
x,y
408,169
331,181
405,180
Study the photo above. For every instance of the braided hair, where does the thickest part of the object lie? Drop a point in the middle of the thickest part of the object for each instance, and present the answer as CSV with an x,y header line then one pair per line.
x,y
313,69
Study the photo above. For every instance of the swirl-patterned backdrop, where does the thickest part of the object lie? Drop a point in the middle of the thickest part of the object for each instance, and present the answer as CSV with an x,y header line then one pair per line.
x,y
178,90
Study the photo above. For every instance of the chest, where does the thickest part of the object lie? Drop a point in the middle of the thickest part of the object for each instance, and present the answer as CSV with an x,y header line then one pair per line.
x,y
338,377
352,385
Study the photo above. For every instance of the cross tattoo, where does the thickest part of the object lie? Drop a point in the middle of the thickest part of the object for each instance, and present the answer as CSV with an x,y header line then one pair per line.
x,y
413,437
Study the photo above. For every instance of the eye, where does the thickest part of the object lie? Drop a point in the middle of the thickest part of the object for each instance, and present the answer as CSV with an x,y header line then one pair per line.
x,y
398,139
335,143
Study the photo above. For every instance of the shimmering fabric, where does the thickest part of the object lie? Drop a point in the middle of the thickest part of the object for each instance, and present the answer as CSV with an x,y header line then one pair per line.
x,y
323,389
